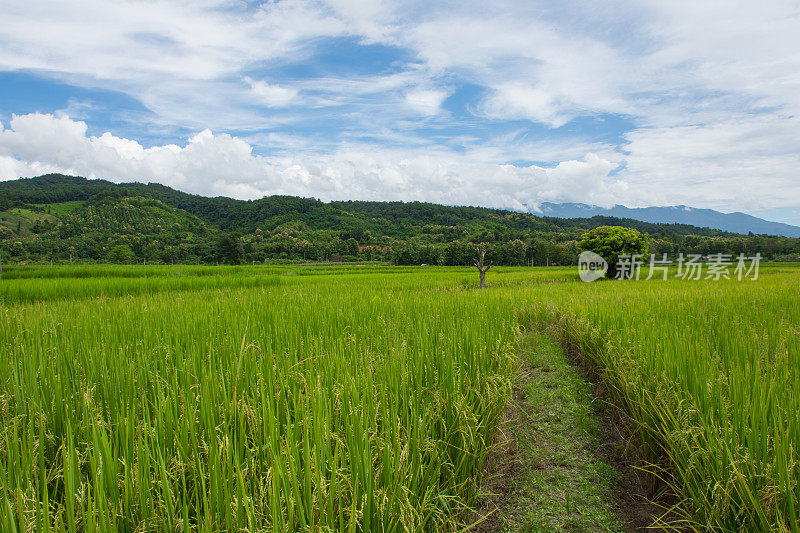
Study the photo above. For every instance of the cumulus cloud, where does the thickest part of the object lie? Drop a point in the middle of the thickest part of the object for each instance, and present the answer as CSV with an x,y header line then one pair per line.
x,y
221,164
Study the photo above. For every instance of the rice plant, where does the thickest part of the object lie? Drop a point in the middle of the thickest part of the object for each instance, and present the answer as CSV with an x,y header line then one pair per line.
x,y
711,372
359,399
335,406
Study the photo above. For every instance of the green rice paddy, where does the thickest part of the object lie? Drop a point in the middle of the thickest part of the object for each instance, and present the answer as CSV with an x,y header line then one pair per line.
x,y
366,398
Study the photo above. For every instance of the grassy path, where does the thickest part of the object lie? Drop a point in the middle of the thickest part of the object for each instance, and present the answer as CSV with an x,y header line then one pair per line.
x,y
553,465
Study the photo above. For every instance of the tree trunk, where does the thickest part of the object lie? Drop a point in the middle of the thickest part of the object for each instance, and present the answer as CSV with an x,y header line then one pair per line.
x,y
479,265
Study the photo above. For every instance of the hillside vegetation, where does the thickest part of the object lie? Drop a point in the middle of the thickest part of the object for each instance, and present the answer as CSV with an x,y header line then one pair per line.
x,y
61,218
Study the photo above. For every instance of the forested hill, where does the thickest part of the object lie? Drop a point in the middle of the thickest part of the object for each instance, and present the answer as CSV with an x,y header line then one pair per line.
x,y
54,216
395,219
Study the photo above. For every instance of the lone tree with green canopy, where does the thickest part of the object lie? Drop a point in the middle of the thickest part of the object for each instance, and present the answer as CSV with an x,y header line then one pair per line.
x,y
230,249
121,255
610,242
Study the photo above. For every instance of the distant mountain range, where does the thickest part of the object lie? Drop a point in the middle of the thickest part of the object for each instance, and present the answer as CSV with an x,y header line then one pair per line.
x,y
678,214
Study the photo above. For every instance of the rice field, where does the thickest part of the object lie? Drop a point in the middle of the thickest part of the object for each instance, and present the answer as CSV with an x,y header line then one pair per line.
x,y
366,398
711,372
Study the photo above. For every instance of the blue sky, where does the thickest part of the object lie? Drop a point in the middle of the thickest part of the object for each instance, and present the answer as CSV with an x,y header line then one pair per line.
x,y
503,104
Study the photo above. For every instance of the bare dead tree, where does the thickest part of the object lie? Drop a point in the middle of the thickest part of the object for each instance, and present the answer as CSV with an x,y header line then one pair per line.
x,y
479,265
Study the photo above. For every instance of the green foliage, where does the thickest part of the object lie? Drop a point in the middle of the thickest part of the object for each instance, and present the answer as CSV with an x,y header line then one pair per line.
x,y
54,216
121,254
609,242
404,254
229,249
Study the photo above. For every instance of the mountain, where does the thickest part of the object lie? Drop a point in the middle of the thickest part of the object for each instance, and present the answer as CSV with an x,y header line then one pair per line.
x,y
392,219
66,218
680,214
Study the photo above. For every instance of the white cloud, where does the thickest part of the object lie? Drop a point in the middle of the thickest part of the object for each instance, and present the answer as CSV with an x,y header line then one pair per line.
x,y
747,48
220,164
272,95
515,100
426,101
217,164
180,59
534,69
737,163
127,40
